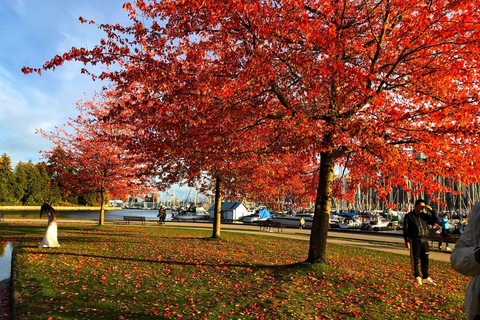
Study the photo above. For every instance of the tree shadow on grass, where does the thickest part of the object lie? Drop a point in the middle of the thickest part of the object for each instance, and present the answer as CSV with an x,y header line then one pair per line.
x,y
301,267
123,238
282,272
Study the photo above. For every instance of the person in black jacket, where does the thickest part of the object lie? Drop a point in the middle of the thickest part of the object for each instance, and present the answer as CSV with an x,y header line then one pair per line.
x,y
415,232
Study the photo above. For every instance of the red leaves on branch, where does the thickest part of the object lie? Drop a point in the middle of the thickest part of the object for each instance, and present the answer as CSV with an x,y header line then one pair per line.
x,y
364,85
86,159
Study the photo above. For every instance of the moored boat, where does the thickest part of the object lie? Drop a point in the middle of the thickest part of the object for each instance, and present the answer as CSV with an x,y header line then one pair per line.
x,y
349,221
259,215
192,214
293,221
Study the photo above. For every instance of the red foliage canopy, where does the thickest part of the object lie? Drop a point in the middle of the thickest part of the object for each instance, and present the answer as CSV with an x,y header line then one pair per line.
x,y
361,84
86,159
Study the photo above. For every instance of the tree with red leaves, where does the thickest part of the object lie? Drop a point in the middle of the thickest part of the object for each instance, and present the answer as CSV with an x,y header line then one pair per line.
x,y
86,159
366,85
186,149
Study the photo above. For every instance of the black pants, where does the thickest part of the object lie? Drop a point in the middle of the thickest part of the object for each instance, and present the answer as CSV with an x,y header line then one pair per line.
x,y
419,251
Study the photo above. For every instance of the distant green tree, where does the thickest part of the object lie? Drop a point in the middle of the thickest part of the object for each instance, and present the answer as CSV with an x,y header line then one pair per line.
x,y
72,200
6,180
39,186
90,199
49,191
33,187
20,183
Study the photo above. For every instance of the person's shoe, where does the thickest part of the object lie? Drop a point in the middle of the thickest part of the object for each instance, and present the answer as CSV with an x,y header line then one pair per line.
x,y
418,280
429,281
448,249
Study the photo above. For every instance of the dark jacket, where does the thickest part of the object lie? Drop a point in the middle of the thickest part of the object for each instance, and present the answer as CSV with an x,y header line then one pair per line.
x,y
415,225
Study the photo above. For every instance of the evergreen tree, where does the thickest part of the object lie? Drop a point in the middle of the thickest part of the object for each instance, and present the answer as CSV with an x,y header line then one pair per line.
x,y
6,180
39,186
20,183
50,191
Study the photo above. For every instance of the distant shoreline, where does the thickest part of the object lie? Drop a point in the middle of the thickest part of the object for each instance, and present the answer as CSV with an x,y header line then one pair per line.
x,y
58,208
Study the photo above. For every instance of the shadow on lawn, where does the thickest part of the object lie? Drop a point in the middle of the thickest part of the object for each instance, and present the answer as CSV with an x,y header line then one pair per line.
x,y
298,267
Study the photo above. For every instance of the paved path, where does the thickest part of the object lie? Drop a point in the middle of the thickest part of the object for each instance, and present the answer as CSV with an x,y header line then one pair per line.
x,y
374,241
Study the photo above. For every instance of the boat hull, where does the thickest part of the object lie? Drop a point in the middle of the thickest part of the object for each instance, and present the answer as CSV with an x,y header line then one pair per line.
x,y
190,217
294,221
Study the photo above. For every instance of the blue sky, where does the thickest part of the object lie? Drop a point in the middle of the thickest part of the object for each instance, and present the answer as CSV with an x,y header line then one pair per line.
x,y
32,33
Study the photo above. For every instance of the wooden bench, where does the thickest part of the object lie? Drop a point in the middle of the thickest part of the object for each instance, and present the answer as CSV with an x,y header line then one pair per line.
x,y
268,225
133,218
437,237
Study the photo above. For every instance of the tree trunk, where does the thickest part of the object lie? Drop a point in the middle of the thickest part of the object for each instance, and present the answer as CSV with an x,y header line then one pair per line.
x,y
218,206
323,205
101,221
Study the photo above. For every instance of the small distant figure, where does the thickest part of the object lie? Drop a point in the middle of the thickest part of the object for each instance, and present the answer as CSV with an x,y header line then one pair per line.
x,y
302,223
464,225
162,214
445,232
50,237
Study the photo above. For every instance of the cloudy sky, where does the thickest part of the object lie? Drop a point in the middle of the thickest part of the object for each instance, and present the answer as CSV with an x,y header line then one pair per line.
x,y
32,33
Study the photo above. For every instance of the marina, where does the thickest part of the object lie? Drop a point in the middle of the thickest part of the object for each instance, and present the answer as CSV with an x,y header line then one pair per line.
x,y
375,221
150,215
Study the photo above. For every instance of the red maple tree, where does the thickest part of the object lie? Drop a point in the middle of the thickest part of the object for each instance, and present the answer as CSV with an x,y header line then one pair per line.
x,y
186,149
364,85
85,158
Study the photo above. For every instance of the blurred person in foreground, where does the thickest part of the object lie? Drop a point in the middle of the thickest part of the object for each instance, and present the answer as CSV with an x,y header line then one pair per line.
x,y
465,259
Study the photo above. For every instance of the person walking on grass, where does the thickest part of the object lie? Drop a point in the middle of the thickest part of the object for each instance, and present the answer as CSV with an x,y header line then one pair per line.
x,y
415,233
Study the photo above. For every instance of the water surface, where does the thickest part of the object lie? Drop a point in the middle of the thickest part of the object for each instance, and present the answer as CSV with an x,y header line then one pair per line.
x,y
89,214
5,260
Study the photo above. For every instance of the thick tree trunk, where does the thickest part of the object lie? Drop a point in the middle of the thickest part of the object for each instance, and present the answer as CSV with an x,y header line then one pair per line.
x,y
323,204
101,220
217,215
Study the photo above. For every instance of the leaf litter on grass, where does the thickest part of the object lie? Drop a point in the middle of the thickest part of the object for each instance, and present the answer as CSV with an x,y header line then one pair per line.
x,y
150,272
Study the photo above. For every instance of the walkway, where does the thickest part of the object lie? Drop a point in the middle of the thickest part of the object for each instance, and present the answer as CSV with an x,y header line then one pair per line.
x,y
388,242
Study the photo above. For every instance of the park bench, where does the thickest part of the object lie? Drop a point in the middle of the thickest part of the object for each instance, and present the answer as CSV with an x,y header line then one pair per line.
x,y
269,225
437,237
133,218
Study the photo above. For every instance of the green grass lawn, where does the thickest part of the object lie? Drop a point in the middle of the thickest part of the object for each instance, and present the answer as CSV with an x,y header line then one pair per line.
x,y
130,272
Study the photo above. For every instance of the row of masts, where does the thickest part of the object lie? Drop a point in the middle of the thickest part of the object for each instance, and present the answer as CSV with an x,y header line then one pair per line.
x,y
461,200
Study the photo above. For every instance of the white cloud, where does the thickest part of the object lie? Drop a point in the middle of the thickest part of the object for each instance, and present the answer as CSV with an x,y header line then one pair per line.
x,y
37,30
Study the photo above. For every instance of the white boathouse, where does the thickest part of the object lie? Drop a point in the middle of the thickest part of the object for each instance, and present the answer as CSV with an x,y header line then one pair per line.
x,y
231,211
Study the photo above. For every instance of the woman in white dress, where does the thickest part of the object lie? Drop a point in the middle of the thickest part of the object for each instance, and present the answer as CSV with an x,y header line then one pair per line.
x,y
50,237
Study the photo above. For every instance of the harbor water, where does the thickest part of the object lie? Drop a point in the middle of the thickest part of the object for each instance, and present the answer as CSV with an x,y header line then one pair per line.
x,y
150,215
